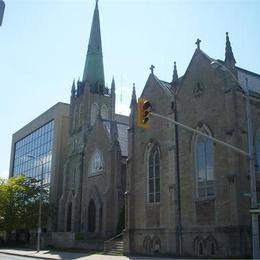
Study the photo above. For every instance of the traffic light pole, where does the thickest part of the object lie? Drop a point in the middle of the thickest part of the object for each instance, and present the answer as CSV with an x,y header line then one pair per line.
x,y
202,134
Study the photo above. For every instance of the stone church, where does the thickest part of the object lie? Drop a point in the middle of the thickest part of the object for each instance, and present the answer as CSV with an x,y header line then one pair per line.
x,y
92,201
186,194
182,194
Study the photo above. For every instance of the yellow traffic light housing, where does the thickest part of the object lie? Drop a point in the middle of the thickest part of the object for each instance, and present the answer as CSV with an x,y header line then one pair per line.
x,y
143,111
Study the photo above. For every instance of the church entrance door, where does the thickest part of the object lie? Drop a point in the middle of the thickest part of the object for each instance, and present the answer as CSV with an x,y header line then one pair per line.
x,y
69,217
91,216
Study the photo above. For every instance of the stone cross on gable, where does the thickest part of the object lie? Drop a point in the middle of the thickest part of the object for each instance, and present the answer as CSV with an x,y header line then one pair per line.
x,y
151,68
198,43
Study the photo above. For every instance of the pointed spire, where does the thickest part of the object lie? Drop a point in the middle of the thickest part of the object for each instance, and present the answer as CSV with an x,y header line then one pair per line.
x,y
113,86
175,74
94,70
229,56
73,89
133,100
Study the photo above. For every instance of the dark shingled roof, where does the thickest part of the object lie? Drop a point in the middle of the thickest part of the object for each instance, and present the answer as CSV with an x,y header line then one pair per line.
x,y
122,131
165,86
123,138
253,80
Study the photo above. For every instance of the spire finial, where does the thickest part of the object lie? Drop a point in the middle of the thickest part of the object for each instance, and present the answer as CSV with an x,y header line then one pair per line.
x,y
113,85
229,56
133,100
175,74
152,68
198,43
73,88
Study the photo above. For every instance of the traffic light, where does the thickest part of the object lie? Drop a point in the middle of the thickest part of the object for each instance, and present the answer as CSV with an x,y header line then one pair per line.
x,y
143,110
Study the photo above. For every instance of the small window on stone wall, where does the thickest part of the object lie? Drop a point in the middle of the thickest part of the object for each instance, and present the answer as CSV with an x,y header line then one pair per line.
x,y
104,112
96,164
94,113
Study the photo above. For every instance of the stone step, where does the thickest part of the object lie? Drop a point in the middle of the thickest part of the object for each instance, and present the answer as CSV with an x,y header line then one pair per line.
x,y
117,248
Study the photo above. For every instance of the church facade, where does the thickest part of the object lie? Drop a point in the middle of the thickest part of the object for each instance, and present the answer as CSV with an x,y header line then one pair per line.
x,y
186,194
182,193
92,200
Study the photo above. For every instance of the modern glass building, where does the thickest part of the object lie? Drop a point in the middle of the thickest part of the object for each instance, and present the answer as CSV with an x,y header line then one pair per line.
x,y
41,145
33,153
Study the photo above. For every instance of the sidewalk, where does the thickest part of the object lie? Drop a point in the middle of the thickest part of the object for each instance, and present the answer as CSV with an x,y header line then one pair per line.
x,y
51,254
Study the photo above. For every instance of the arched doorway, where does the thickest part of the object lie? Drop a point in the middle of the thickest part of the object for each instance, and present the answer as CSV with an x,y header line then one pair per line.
x,y
91,216
69,217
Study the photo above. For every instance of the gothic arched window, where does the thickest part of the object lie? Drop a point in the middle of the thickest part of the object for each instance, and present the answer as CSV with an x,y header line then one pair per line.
x,y
104,112
96,164
257,150
204,165
153,175
94,113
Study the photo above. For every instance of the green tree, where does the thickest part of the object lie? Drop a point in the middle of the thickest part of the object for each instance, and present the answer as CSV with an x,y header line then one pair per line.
x,y
19,204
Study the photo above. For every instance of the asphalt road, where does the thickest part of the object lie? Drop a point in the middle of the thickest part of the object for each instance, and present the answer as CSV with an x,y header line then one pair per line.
x,y
13,257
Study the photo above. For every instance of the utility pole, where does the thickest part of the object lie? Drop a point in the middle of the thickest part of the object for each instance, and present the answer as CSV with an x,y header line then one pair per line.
x,y
254,216
39,229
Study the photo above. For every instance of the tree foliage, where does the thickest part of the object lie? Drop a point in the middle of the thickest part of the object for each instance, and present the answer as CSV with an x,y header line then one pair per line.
x,y
19,204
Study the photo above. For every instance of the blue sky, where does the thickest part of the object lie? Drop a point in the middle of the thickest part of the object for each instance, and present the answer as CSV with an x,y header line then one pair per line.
x,y
43,45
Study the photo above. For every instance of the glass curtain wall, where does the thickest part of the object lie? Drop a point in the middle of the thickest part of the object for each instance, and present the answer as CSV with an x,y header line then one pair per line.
x,y
38,143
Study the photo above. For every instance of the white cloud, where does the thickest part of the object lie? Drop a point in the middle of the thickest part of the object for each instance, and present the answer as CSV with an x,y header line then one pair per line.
x,y
4,174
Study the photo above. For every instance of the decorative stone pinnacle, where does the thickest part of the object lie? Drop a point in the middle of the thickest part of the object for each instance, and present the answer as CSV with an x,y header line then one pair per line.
x,y
133,100
175,74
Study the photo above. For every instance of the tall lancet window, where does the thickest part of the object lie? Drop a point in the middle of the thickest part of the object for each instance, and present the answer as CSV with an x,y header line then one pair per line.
x,y
96,164
204,161
94,113
154,175
104,112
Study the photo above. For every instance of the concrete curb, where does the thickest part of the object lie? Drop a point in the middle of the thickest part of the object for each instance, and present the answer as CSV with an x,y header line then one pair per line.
x,y
25,255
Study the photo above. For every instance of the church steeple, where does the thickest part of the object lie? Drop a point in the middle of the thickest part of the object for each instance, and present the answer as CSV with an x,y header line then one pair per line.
x,y
94,70
229,56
